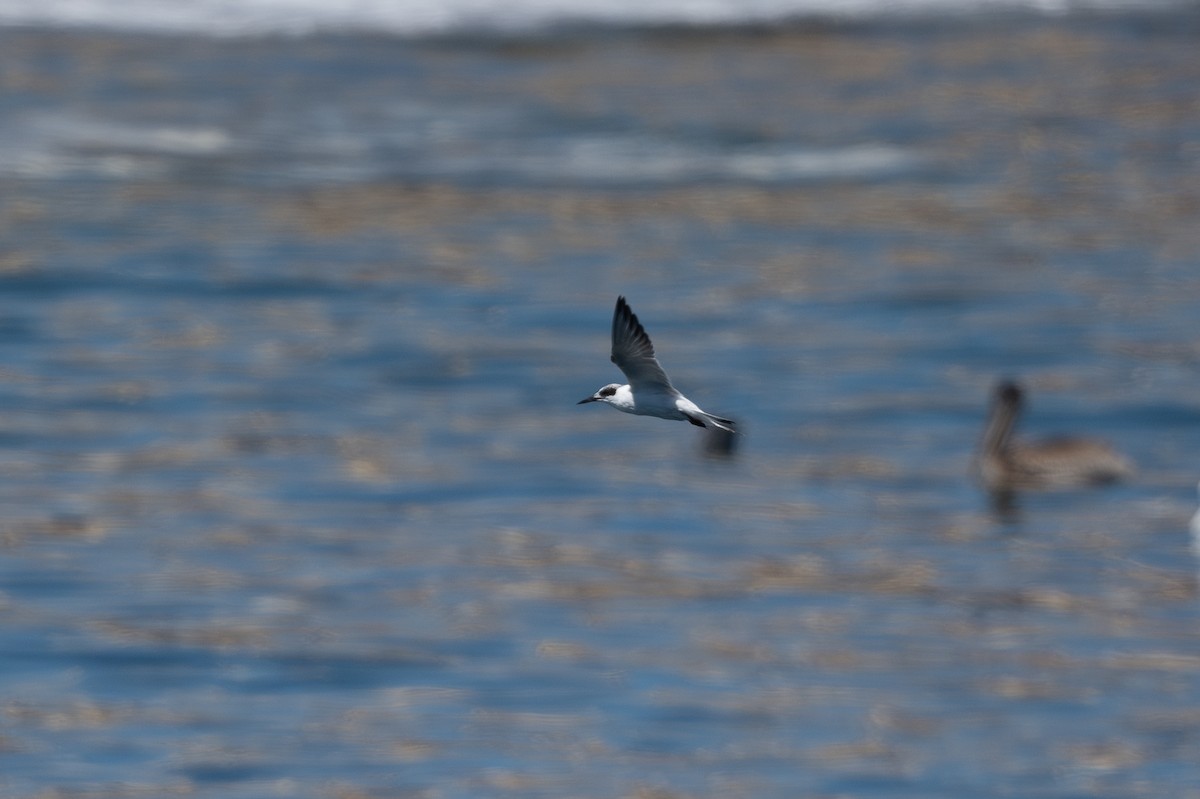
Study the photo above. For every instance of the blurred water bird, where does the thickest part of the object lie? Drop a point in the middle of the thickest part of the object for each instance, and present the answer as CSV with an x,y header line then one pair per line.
x,y
649,392
1004,464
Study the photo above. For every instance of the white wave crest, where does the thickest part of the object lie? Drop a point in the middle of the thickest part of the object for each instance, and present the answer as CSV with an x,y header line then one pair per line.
x,y
420,17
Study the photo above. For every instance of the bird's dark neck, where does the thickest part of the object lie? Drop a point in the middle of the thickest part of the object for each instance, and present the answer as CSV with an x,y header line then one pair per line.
x,y
998,433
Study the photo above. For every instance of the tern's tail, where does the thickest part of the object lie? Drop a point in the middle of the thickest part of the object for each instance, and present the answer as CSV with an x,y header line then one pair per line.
x,y
716,421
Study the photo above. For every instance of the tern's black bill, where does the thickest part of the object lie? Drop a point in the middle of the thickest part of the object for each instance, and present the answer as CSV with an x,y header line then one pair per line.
x,y
586,400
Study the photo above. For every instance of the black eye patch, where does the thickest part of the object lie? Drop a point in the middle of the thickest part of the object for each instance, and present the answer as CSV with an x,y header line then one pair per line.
x,y
607,391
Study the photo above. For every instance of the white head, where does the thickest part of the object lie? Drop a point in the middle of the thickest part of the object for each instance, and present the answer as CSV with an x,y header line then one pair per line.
x,y
613,394
605,394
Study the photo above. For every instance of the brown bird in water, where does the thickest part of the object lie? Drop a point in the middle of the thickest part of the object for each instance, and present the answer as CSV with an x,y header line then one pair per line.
x,y
1004,464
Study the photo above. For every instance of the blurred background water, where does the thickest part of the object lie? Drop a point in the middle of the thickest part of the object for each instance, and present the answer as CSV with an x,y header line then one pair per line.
x,y
297,299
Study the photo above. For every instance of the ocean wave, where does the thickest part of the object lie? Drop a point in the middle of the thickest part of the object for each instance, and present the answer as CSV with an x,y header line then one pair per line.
x,y
71,145
416,18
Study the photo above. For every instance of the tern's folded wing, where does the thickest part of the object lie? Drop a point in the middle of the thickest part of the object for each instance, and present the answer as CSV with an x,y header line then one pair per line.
x,y
633,353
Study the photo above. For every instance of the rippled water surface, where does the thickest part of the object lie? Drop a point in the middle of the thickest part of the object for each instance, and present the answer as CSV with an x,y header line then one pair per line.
x,y
297,500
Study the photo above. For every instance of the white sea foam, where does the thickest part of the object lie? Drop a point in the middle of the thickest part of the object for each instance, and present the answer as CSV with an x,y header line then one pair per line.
x,y
638,159
55,145
418,17
51,145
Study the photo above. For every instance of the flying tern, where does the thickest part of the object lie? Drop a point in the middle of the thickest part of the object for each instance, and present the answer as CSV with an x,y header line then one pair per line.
x,y
649,392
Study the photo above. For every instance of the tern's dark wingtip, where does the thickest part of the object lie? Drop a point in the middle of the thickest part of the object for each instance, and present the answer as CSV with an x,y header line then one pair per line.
x,y
623,311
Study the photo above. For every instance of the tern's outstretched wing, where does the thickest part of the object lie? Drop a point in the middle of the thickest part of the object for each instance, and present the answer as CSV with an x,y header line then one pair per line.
x,y
633,353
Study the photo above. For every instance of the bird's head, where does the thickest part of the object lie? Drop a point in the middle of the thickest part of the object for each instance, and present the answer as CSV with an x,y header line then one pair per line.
x,y
605,394
1009,393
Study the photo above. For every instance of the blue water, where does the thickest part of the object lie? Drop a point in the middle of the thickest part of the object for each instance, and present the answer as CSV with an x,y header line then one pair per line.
x,y
298,501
